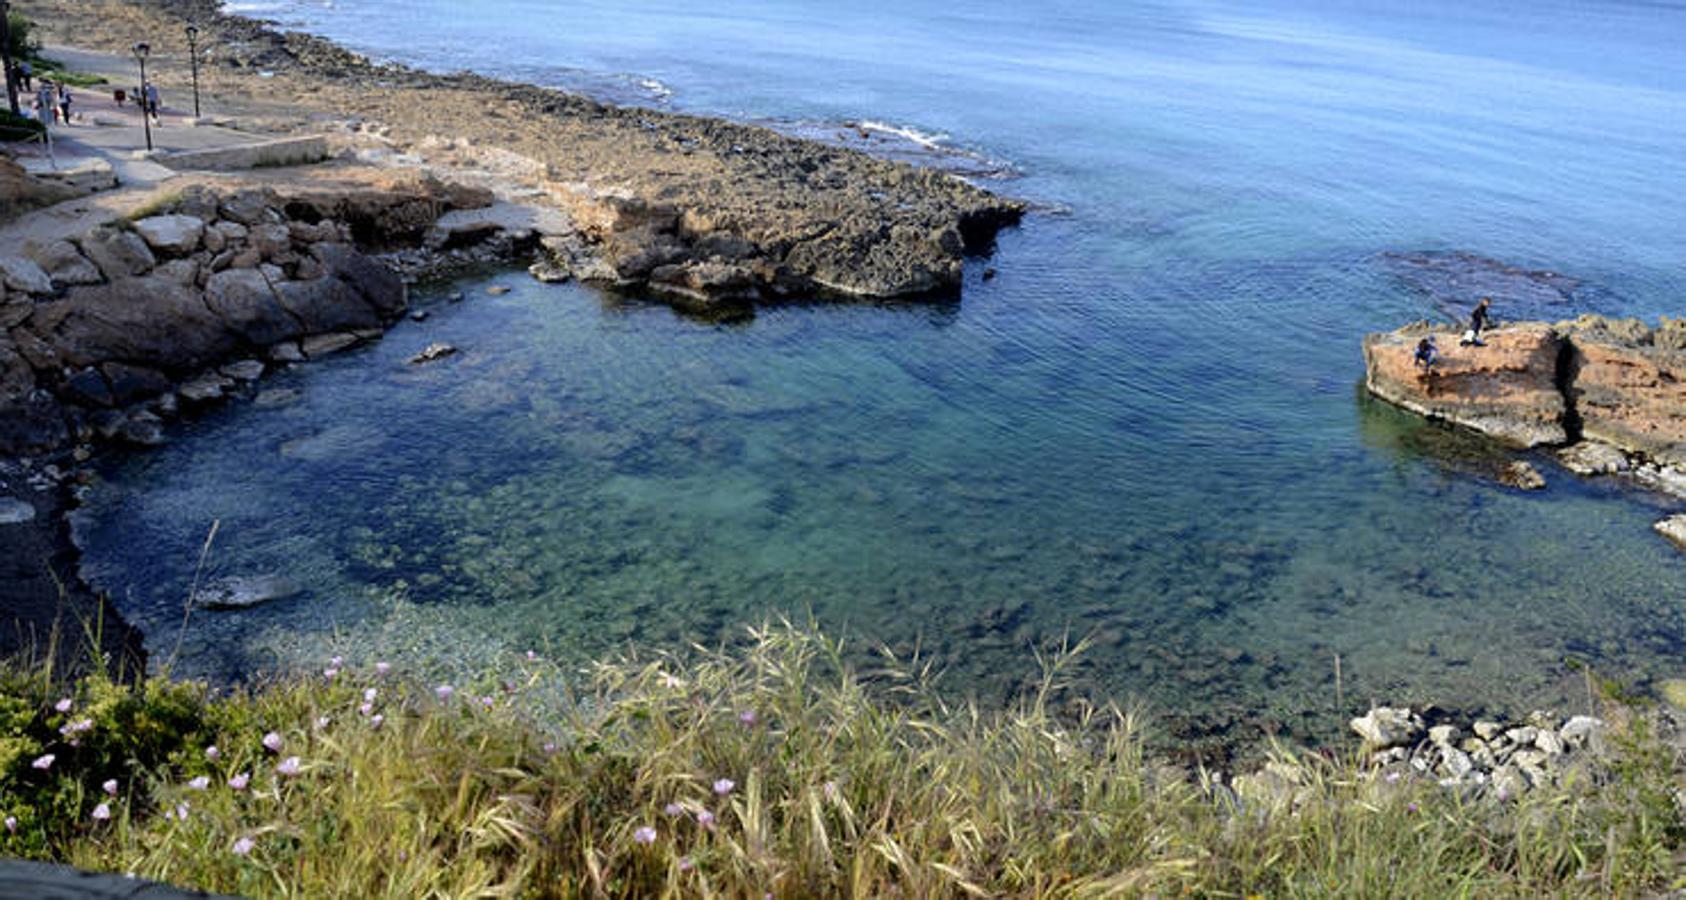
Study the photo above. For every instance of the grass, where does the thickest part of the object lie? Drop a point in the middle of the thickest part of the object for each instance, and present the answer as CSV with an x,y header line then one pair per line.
x,y
770,769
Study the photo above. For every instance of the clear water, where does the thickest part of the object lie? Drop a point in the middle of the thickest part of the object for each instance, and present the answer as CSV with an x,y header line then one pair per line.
x,y
1147,429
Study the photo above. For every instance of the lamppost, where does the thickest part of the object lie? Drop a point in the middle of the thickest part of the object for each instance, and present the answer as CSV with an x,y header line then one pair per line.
x,y
141,50
193,55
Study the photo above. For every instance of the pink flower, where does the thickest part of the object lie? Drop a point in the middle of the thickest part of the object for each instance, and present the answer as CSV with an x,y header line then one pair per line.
x,y
110,787
381,668
376,720
550,747
200,783
444,692
747,718
101,812
12,824
212,753
705,818
289,766
240,781
243,846
644,835
673,809
487,702
76,727
337,661
330,672
272,741
181,810
685,864
65,705
724,786
365,709
44,761
370,694
532,657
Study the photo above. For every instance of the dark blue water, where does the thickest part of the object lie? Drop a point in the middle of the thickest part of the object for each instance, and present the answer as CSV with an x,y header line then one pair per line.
x,y
1145,430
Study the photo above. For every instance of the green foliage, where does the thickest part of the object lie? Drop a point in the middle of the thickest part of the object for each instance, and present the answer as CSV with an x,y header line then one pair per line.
x,y
840,784
20,34
17,128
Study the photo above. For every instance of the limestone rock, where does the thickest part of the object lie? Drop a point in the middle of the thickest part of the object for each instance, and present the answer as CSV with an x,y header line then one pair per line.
x,y
1507,389
1593,458
64,264
1629,386
250,307
1673,528
244,370
15,512
1583,732
244,591
171,235
318,345
1387,727
117,253
151,322
20,274
1519,474
433,351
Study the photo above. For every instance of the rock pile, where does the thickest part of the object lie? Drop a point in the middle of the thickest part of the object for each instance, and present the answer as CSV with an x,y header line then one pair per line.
x,y
109,333
1504,759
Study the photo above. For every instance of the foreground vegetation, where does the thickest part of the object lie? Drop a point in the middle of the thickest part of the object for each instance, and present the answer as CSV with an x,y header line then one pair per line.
x,y
771,769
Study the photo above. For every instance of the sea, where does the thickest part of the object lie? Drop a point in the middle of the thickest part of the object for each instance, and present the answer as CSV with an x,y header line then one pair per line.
x,y
1140,435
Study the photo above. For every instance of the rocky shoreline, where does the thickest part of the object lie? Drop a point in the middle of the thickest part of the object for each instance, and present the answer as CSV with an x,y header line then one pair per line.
x,y
1607,396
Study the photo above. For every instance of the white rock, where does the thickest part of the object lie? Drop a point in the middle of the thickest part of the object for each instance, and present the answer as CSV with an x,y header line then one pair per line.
x,y
1583,731
1386,727
1486,730
1549,743
15,512
24,275
1457,763
1593,458
1443,735
173,234
1673,528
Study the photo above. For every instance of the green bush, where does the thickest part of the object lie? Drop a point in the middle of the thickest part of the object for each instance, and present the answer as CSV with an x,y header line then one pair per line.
x,y
18,128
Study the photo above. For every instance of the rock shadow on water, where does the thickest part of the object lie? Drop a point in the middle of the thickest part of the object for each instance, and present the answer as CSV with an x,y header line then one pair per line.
x,y
1452,449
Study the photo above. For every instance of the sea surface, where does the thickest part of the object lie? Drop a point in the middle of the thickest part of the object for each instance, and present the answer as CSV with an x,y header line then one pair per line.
x,y
1147,430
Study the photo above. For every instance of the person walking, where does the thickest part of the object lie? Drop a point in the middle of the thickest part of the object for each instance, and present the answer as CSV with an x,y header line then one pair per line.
x,y
1477,324
26,74
152,102
65,99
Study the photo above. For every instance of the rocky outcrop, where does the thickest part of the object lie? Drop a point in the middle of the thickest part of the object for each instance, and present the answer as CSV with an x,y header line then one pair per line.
x,y
1612,390
110,333
1507,389
1504,759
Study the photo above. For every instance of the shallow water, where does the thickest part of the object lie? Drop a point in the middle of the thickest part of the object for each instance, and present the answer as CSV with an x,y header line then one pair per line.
x,y
1145,430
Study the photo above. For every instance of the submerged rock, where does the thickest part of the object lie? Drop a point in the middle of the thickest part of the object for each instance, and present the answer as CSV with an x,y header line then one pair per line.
x,y
244,591
1520,474
15,512
433,351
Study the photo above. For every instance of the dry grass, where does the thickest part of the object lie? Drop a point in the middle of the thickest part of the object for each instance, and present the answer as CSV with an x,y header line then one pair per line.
x,y
841,784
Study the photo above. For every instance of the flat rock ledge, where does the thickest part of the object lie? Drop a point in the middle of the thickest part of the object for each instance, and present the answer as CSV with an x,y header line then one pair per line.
x,y
1608,394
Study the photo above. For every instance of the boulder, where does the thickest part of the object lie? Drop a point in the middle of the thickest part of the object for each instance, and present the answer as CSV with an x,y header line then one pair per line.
x,y
250,207
433,351
1506,389
1593,458
1387,727
64,264
151,322
117,253
271,240
1520,474
130,384
250,307
318,345
171,235
21,274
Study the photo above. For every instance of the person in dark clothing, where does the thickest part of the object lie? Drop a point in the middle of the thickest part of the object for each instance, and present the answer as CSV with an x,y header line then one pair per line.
x,y
1477,323
1427,353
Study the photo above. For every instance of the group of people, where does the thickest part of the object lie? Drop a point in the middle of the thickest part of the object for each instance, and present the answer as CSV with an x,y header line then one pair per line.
x,y
146,98
1427,353
52,103
23,75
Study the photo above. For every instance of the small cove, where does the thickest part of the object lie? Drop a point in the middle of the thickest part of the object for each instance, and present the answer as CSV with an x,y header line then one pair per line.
x,y
1145,430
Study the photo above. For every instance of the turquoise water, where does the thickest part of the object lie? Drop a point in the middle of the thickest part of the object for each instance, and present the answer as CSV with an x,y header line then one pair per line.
x,y
1145,430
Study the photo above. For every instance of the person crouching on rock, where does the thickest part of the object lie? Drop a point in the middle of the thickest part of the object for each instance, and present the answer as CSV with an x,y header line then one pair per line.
x,y
1477,323
1427,354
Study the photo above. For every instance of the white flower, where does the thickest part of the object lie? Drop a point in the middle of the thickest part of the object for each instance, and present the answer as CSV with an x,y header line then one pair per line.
x,y
644,835
64,705
273,742
370,694
44,761
101,812
242,846
212,753
240,781
724,786
200,783
381,668
289,766
110,786
444,691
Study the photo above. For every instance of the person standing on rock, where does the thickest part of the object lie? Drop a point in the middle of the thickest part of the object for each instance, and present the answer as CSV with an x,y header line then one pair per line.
x,y
1477,323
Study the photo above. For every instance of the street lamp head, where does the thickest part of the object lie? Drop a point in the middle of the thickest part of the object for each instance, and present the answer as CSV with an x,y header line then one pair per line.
x,y
192,33
142,49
